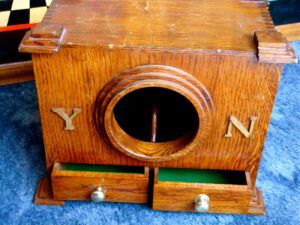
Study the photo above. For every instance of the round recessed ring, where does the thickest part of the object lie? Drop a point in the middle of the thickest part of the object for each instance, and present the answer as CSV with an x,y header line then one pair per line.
x,y
154,80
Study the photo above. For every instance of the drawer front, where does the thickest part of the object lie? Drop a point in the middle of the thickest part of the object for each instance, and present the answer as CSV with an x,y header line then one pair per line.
x,y
117,186
182,196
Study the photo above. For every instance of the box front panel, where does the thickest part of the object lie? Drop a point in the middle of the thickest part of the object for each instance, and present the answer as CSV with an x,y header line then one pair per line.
x,y
241,89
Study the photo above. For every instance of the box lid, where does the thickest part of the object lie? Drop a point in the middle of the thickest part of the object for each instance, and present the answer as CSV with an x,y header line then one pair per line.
x,y
154,24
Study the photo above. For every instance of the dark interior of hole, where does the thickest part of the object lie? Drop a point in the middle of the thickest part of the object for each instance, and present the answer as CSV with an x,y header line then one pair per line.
x,y
176,115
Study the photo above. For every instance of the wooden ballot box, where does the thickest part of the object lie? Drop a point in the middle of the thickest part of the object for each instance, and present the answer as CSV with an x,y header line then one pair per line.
x,y
168,99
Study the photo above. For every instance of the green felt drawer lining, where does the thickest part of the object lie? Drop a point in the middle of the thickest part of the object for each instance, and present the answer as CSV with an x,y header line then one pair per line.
x,y
167,174
102,168
202,176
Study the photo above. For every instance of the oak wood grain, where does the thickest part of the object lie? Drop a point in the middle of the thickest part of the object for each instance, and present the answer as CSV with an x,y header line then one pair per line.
x,y
11,73
290,31
273,47
239,86
44,194
90,54
159,24
154,76
223,198
43,38
74,185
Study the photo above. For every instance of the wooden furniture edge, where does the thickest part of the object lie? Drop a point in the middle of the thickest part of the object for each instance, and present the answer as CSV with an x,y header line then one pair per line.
x,y
57,172
211,186
257,204
16,72
273,47
118,187
43,38
290,31
44,195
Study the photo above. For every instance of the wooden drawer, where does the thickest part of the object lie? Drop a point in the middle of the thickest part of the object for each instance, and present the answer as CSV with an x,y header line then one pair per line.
x,y
119,183
228,191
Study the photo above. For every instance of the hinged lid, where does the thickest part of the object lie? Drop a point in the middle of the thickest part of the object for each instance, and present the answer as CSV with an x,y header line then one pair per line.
x,y
181,25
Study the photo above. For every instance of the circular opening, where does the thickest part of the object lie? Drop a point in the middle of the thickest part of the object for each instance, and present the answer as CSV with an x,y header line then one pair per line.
x,y
175,115
154,113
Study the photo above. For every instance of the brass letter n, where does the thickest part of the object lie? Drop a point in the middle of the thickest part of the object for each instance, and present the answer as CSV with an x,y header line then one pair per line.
x,y
233,121
68,119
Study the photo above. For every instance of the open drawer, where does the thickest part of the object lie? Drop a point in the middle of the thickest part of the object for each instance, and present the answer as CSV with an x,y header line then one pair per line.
x,y
205,191
114,183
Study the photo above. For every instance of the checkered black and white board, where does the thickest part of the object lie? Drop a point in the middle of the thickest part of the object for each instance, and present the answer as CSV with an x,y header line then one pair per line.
x,y
14,12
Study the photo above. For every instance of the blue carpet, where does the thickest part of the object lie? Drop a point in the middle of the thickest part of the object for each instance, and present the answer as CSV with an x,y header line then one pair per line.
x,y
22,165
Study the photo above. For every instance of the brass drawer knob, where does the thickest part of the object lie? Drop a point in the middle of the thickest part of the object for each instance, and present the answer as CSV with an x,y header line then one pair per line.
x,y
201,203
98,195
